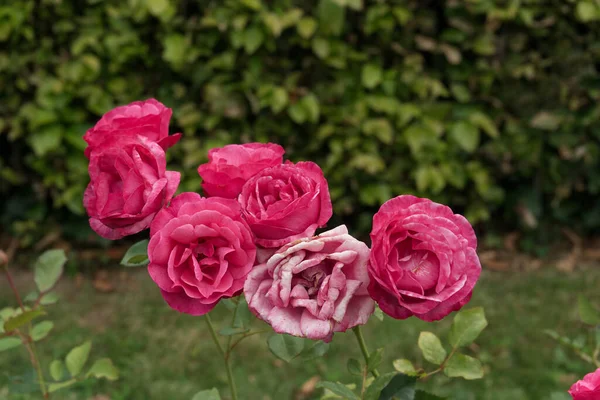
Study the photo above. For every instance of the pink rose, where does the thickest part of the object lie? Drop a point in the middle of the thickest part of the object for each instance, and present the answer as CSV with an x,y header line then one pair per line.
x,y
129,185
149,118
313,287
423,260
200,251
229,167
285,203
588,388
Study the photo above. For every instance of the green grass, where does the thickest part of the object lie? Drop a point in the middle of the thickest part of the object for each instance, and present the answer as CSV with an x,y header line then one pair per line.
x,y
166,355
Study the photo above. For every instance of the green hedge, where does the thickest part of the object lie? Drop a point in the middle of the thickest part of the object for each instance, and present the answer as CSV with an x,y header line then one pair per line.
x,y
490,106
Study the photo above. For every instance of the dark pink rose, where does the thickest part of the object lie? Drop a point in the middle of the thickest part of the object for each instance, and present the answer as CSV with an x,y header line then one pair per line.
x,y
423,260
588,388
129,185
200,251
313,287
229,167
149,118
285,203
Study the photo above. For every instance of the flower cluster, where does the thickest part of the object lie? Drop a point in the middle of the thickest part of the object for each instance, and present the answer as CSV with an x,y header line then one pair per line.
x,y
254,232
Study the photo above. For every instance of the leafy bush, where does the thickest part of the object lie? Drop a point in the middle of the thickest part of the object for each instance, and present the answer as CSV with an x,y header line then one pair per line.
x,y
485,105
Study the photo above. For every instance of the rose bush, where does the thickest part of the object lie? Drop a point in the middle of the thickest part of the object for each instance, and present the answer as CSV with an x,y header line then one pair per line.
x,y
588,388
423,259
285,203
229,167
129,185
313,287
200,251
149,119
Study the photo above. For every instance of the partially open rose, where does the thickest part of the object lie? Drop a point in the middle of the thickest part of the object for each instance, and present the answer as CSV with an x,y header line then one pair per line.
x,y
423,260
129,185
313,287
229,167
200,251
285,203
588,388
149,119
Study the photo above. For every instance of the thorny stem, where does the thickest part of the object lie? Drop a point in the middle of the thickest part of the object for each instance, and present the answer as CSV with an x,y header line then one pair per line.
x,y
26,339
363,347
247,335
213,333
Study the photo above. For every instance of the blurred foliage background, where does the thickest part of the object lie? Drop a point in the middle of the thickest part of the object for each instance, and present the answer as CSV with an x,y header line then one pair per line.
x,y
489,106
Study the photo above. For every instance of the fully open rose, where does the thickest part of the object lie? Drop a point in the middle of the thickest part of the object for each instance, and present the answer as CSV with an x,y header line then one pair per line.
x,y
313,287
286,202
588,388
423,259
149,119
200,251
229,167
129,185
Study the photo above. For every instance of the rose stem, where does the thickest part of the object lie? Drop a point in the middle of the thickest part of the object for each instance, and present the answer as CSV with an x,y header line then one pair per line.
x,y
363,347
211,328
26,340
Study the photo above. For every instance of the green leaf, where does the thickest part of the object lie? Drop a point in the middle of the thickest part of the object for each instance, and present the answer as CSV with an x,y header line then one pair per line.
x,y
252,4
400,387
22,319
212,394
463,366
338,388
242,314
297,113
318,349
41,330
466,135
230,331
371,76
31,297
253,39
380,128
375,359
45,140
405,366
104,368
545,120
421,395
586,11
484,123
432,348
285,347
77,358
374,391
157,7
321,47
331,17
49,299
279,99
57,370
354,367
136,255
53,387
175,49
378,313
467,325
587,312
306,27
48,268
9,343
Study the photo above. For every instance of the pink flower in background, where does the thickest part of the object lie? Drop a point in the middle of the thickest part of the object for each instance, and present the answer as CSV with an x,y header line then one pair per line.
x,y
129,185
285,203
149,119
423,259
200,251
229,167
313,287
588,388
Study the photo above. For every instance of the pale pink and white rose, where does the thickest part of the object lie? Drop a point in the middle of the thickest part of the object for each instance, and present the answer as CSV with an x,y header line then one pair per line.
x,y
313,287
